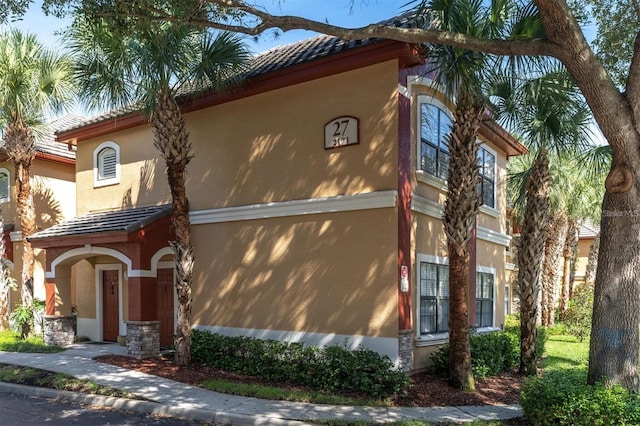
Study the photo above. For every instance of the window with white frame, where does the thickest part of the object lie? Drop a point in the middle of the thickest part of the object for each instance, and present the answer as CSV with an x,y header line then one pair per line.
x,y
487,172
435,122
5,185
507,299
435,125
434,296
106,164
485,283
433,280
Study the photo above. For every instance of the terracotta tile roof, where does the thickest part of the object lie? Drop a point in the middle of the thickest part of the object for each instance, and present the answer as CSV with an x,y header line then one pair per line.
x,y
273,60
127,220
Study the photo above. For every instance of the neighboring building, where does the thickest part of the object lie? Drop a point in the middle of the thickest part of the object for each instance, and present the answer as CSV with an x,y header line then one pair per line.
x,y
587,234
316,196
53,185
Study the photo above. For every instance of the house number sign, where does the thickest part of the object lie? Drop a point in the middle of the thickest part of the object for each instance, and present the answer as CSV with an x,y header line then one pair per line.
x,y
341,131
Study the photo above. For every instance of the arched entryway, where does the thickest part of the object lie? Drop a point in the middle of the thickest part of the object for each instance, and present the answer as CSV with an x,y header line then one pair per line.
x,y
114,270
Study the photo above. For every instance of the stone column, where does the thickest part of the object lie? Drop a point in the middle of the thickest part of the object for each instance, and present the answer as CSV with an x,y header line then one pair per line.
x,y
58,321
143,327
143,339
405,350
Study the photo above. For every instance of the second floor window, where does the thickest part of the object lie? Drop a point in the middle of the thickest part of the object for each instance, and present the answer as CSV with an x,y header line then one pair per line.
x,y
487,184
106,164
435,125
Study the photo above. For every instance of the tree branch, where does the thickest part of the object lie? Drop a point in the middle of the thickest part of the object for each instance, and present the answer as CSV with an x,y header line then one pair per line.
x,y
633,80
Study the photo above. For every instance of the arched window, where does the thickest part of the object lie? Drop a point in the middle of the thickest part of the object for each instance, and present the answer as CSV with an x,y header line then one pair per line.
x,y
5,185
106,164
435,125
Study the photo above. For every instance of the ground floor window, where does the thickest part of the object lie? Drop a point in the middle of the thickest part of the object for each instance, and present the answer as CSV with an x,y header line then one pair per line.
x,y
484,299
433,281
434,297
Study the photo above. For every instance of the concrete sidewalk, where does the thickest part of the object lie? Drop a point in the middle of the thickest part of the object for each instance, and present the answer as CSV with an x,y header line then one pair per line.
x,y
176,399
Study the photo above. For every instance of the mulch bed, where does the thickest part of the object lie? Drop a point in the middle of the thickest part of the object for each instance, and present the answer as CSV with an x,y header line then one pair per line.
x,y
427,390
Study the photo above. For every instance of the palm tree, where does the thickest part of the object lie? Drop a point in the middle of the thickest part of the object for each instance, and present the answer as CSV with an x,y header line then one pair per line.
x,y
150,65
460,73
547,113
33,81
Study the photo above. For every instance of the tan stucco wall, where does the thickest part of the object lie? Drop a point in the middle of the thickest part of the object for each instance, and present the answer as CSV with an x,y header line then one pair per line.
x,y
324,273
85,288
583,257
328,273
53,188
265,148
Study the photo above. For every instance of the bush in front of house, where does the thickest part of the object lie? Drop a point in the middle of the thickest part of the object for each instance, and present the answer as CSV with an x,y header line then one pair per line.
x,y
491,353
562,397
333,368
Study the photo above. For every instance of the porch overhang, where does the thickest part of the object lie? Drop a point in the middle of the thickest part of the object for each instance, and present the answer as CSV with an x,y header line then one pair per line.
x,y
105,228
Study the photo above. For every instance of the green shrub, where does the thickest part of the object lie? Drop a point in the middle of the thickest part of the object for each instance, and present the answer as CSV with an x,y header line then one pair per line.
x,y
491,353
562,397
333,368
578,320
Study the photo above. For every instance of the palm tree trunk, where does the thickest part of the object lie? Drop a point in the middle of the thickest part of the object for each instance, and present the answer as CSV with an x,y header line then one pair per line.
x,y
555,240
530,252
570,243
172,140
20,146
592,261
460,211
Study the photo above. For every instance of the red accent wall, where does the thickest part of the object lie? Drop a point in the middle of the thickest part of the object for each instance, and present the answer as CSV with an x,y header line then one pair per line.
x,y
8,245
50,297
404,201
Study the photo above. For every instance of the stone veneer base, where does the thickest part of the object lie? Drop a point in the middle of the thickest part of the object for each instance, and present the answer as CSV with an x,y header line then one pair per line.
x,y
59,330
143,339
405,349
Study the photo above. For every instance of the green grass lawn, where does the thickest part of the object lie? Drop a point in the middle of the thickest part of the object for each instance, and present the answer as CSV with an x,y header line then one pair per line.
x,y
10,342
565,352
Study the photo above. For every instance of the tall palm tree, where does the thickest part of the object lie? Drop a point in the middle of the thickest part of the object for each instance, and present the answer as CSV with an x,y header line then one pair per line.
x,y
460,72
34,81
547,113
151,65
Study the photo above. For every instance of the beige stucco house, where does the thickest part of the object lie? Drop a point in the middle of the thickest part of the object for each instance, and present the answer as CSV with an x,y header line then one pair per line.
x,y
316,195
53,185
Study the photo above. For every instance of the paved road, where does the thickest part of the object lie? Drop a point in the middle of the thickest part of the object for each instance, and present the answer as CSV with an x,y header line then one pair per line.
x,y
19,410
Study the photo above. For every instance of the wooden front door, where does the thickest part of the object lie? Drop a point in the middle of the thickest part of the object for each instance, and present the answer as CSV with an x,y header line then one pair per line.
x,y
164,300
110,308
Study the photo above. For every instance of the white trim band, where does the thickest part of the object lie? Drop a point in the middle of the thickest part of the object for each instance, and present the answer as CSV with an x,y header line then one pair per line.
x,y
339,203
431,208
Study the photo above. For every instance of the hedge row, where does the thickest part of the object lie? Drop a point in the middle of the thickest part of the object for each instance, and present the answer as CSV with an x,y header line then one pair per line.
x,y
332,368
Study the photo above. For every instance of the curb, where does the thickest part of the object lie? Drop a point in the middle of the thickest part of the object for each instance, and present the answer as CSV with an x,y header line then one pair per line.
x,y
149,407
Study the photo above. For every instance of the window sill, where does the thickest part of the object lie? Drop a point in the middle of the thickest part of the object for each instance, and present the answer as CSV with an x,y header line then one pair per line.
x,y
431,339
493,212
442,338
431,180
109,182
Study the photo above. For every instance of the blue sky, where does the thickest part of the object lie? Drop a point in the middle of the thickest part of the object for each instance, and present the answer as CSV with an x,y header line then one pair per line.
x,y
336,12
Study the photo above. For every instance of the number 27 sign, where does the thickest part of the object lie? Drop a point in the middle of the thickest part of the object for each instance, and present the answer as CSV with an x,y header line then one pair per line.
x,y
341,131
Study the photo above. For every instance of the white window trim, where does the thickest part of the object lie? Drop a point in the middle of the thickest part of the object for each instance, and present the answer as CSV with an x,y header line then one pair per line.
x,y
440,338
8,197
492,210
106,182
492,271
434,338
